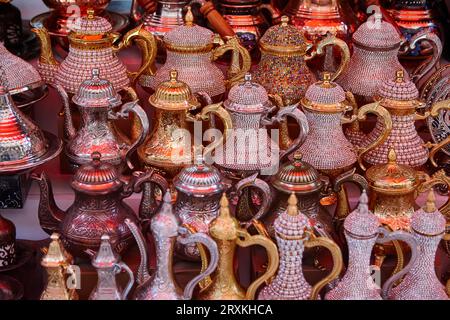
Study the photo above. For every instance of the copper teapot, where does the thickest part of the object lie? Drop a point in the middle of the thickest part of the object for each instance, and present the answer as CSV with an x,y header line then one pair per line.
x,y
98,208
92,46
96,100
167,230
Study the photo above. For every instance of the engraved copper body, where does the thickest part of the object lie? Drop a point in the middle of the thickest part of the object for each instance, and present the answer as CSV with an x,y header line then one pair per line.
x,y
7,242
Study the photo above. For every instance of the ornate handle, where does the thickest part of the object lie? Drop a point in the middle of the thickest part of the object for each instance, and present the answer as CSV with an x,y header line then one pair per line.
x,y
237,70
122,266
148,59
438,178
149,205
411,242
218,23
345,52
253,181
428,64
245,240
337,261
435,109
377,109
201,238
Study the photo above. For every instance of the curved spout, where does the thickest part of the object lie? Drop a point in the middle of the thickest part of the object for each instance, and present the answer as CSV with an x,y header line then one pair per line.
x,y
47,60
69,128
50,216
142,274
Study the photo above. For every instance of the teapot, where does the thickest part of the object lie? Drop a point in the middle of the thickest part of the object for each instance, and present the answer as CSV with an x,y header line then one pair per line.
x,y
284,53
362,230
166,230
293,235
191,51
96,100
421,282
92,46
108,265
228,234
98,208
58,264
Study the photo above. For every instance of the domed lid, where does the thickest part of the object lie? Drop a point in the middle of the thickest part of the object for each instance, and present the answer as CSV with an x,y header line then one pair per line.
x,y
105,257
377,34
428,220
96,177
199,179
189,36
361,222
297,176
91,25
96,92
224,227
284,39
56,255
20,75
325,96
392,176
398,92
247,97
291,224
174,95
21,141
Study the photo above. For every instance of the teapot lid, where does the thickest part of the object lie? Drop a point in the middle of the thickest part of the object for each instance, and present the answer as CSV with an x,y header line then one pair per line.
x,y
91,24
297,176
225,227
247,97
377,34
21,141
392,176
20,74
199,178
96,92
96,177
165,224
428,220
361,222
106,257
56,255
398,92
291,224
284,39
173,95
325,96
189,36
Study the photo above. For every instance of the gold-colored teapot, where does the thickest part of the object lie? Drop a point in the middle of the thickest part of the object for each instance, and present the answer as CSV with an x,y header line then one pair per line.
x,y
228,234
92,45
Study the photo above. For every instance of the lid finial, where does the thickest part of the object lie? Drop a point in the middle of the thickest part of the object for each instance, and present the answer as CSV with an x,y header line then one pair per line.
x,y
392,156
224,210
173,75
284,21
292,209
198,154
95,73
363,206
430,206
399,76
189,18
90,13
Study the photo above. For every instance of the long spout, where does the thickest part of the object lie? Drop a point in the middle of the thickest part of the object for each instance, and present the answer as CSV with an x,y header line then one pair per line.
x,y
69,128
47,56
50,216
142,274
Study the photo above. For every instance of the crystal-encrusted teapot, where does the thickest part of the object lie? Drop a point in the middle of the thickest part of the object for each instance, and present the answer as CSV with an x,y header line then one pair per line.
x,y
284,52
293,235
167,230
98,208
191,51
96,100
92,46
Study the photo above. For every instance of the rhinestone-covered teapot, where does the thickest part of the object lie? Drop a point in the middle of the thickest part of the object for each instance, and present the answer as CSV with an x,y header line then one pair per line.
x,y
167,230
98,207
92,46
96,100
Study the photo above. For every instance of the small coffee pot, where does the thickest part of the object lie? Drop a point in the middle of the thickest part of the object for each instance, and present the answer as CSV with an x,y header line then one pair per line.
x,y
228,234
421,282
98,208
108,265
293,234
58,264
362,230
166,230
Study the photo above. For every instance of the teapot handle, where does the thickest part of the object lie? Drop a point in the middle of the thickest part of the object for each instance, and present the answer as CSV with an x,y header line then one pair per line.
x,y
378,110
253,181
336,254
428,64
408,239
240,60
151,47
245,240
437,178
435,109
123,266
218,23
332,40
203,239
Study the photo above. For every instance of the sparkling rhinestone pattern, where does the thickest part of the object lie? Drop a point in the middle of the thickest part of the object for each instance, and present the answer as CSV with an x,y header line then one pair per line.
x,y
91,25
